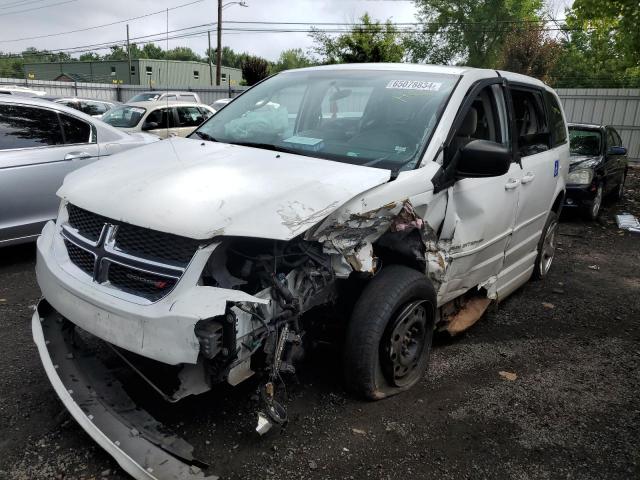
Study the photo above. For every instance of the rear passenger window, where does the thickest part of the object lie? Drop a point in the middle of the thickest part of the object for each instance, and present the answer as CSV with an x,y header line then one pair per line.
x,y
75,131
187,98
558,128
25,127
189,117
531,122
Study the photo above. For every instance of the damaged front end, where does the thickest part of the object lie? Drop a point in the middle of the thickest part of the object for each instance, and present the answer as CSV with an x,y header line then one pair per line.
x,y
240,308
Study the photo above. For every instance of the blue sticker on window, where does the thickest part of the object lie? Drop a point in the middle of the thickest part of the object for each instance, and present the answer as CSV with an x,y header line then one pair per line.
x,y
556,167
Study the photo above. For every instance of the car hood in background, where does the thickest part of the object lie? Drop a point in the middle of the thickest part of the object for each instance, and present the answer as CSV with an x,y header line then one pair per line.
x,y
203,189
584,161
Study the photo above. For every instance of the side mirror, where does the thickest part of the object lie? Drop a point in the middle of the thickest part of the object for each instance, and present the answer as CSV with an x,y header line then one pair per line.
x,y
483,158
149,126
617,151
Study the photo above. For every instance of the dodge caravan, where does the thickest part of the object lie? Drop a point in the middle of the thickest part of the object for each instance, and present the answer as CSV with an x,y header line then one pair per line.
x,y
396,199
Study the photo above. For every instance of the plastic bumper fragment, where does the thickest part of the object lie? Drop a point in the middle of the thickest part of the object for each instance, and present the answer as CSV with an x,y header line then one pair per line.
x,y
97,401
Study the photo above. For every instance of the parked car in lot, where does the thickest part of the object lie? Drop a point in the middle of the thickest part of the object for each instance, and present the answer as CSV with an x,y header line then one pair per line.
x,y
598,167
40,143
21,91
408,196
162,119
221,102
94,108
163,96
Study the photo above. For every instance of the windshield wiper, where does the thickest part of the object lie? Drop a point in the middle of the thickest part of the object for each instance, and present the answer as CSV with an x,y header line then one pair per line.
x,y
205,136
269,146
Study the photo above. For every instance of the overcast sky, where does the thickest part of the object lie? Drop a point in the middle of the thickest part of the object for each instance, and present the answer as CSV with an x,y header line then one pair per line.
x,y
64,15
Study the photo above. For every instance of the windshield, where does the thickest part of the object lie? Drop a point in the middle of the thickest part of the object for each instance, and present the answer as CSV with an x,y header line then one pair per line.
x,y
584,141
143,97
372,118
124,117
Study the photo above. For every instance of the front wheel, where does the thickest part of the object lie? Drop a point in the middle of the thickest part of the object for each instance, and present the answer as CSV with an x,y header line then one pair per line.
x,y
546,247
592,211
619,195
389,335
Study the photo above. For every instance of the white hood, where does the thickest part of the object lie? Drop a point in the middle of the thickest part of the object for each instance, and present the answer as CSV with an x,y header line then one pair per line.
x,y
203,189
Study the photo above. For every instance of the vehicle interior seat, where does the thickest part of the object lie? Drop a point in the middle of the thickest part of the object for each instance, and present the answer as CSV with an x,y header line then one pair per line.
x,y
466,131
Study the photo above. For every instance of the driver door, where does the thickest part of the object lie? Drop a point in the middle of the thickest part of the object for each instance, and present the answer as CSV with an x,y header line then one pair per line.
x,y
480,211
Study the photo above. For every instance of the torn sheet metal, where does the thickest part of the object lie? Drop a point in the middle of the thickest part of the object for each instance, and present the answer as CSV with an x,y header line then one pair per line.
x,y
140,444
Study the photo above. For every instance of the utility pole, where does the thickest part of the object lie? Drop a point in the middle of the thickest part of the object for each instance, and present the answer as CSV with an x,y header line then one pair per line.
x,y
219,52
129,53
209,57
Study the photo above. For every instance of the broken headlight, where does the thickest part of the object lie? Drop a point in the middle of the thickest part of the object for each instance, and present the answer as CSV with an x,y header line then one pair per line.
x,y
582,176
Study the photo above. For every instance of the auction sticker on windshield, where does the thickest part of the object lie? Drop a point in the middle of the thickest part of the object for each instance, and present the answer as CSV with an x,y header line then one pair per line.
x,y
414,85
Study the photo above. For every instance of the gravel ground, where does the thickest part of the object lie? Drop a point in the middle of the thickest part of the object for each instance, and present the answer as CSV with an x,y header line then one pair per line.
x,y
572,412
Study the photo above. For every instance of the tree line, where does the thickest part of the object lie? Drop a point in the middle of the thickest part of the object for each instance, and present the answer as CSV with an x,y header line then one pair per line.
x,y
597,45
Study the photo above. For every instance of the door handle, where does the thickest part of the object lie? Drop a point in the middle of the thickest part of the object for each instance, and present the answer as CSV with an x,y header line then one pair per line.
x,y
173,134
77,155
511,184
528,178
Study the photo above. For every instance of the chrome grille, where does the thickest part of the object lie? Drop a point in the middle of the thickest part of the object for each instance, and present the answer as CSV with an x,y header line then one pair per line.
x,y
133,259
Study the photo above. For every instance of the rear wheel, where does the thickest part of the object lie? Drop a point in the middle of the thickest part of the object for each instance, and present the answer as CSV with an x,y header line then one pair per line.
x,y
389,336
546,247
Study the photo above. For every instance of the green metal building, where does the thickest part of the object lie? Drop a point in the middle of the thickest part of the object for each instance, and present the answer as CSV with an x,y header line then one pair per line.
x,y
152,73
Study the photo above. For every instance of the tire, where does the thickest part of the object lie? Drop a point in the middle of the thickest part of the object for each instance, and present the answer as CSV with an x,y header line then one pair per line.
x,y
592,211
393,318
546,247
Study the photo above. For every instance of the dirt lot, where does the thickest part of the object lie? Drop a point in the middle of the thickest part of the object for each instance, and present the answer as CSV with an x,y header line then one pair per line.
x,y
572,412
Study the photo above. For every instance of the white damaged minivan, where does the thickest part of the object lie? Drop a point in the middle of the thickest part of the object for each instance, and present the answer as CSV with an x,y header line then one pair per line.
x,y
394,199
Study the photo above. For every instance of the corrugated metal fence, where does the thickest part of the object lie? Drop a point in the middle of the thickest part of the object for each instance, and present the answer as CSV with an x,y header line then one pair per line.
x,y
121,93
619,107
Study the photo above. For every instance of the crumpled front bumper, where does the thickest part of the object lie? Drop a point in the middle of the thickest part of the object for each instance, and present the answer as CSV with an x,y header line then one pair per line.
x,y
97,401
162,331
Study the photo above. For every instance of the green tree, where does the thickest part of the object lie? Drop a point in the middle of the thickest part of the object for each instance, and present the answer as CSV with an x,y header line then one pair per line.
x,y
469,32
151,50
601,47
182,53
531,51
292,58
254,69
370,41
117,53
90,57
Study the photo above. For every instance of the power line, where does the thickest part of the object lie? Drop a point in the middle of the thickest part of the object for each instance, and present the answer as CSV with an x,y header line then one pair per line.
x,y
19,4
36,8
100,26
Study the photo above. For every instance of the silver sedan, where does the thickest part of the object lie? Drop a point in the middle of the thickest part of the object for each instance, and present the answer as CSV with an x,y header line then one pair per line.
x,y
40,143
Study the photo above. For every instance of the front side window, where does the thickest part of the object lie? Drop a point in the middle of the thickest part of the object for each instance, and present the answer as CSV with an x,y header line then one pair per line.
x,y
126,116
160,118
486,119
75,131
27,127
187,98
371,118
189,116
531,122
558,127
585,141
